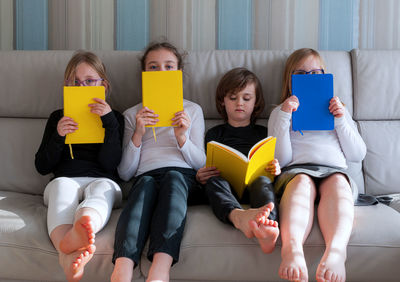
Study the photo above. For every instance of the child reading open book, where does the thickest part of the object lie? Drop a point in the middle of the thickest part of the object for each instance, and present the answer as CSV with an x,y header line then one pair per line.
x,y
238,169
239,100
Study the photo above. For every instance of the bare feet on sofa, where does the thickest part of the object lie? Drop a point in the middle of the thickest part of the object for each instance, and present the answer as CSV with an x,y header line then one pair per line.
x,y
293,266
160,267
265,230
241,218
80,236
74,263
332,267
123,270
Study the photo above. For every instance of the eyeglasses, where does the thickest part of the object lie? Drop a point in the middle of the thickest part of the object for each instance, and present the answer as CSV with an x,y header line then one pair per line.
x,y
316,71
86,82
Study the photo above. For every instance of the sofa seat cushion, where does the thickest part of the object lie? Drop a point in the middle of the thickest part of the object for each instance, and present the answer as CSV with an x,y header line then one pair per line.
x,y
212,250
23,234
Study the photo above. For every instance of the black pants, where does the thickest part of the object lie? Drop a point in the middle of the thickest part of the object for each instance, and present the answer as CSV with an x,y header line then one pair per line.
x,y
223,198
156,208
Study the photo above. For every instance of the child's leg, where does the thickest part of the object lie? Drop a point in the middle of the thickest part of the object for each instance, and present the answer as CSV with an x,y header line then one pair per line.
x,y
264,225
296,218
123,270
133,228
335,217
221,199
169,221
62,198
159,270
261,193
227,208
92,214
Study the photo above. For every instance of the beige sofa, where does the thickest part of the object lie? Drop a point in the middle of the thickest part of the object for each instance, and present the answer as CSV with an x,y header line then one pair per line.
x,y
367,81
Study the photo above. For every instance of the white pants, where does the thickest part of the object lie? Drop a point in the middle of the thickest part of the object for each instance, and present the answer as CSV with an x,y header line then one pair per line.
x,y
63,194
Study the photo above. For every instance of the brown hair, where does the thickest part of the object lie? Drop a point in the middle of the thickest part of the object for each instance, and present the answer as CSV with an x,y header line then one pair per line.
x,y
93,61
234,81
291,64
162,45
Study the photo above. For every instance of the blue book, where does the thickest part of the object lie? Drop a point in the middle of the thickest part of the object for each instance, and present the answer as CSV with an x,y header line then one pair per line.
x,y
314,92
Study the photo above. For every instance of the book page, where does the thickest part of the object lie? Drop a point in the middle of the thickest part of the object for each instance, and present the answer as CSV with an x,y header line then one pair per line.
x,y
76,101
258,145
259,161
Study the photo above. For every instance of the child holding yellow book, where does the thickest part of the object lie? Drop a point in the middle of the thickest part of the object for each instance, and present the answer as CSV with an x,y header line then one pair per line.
x,y
240,101
89,176
164,171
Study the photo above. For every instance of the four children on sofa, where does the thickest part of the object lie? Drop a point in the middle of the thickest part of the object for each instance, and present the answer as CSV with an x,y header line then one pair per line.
x,y
167,174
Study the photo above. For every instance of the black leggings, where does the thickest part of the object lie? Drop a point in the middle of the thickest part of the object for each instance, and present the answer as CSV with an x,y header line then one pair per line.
x,y
223,198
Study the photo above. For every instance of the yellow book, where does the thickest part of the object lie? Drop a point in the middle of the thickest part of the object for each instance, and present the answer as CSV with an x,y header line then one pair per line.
x,y
162,92
238,169
76,101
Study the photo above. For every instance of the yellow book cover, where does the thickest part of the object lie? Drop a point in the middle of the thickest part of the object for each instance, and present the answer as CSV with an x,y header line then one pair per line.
x,y
76,101
238,169
162,92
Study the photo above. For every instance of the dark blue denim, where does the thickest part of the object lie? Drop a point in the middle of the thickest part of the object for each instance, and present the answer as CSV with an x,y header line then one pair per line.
x,y
156,209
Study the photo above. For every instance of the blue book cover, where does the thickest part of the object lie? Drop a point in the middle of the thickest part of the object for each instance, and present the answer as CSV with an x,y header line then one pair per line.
x,y
314,92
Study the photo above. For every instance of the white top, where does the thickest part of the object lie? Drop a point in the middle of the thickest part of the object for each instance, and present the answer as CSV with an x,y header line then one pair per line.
x,y
165,152
330,148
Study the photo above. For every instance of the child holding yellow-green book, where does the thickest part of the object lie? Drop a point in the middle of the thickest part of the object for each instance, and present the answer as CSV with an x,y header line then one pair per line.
x,y
239,100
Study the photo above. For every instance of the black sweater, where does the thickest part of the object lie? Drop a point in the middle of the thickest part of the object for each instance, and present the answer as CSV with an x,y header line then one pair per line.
x,y
239,138
90,160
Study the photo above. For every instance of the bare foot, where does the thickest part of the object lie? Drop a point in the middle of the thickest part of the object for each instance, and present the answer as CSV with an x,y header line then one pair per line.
x,y
79,237
74,264
160,267
123,270
265,230
332,267
293,266
241,218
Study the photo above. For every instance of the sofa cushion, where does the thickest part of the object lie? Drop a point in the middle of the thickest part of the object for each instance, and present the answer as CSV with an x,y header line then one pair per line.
x,y
212,250
376,84
383,153
19,141
23,235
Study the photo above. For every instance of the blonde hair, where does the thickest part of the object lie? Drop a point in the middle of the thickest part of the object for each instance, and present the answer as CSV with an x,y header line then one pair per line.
x,y
292,63
93,61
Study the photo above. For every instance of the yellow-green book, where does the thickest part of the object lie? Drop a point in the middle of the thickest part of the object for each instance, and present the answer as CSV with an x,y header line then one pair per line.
x,y
162,92
240,170
76,101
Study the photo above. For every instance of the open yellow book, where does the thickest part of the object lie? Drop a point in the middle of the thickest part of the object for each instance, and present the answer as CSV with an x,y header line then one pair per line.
x,y
162,92
76,101
238,169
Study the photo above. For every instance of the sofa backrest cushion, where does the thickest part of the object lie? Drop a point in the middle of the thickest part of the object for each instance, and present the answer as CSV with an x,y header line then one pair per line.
x,y
32,88
376,76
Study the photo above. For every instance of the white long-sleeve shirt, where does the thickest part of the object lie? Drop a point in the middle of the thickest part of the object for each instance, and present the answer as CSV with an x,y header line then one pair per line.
x,y
166,151
330,148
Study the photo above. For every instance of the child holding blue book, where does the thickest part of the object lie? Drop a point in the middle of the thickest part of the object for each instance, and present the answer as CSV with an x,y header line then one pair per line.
x,y
314,168
239,100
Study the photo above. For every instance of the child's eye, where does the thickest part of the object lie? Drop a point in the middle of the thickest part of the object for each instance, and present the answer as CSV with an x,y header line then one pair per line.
x,y
89,81
169,67
153,67
77,82
233,98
